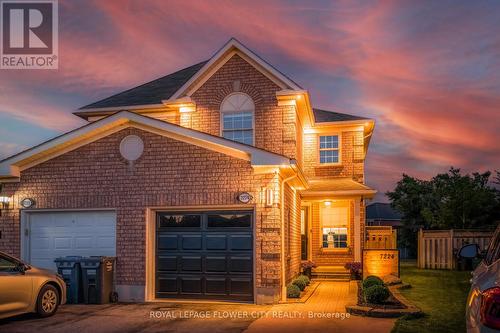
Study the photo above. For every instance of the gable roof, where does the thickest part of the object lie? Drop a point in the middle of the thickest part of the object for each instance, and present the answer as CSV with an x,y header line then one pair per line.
x,y
11,167
153,92
325,116
382,211
175,86
233,46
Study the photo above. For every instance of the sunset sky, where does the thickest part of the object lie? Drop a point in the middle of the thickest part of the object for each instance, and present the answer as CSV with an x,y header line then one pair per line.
x,y
428,72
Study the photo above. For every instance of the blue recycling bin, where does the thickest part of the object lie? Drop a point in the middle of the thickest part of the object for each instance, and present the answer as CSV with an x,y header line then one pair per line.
x,y
97,279
69,268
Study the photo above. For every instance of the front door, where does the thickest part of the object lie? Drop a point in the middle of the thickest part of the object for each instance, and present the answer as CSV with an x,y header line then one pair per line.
x,y
303,233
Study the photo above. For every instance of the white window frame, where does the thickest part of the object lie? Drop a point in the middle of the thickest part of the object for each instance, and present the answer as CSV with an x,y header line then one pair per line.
x,y
343,204
222,113
339,139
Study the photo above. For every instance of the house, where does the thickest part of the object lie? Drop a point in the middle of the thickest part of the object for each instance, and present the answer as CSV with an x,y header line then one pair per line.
x,y
209,183
382,214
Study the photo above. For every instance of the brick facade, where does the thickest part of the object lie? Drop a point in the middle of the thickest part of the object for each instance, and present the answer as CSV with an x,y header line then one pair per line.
x,y
169,173
172,173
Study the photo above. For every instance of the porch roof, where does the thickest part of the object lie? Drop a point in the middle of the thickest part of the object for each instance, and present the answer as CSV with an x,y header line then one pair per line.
x,y
337,187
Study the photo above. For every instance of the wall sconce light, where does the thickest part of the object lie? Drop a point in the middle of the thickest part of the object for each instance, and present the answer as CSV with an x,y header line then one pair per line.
x,y
328,203
4,202
269,197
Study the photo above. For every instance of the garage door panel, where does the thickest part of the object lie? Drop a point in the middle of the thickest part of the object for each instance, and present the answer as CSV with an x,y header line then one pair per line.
x,y
191,242
167,263
57,234
167,242
241,286
240,264
191,285
216,286
216,264
241,242
213,260
216,242
167,284
191,263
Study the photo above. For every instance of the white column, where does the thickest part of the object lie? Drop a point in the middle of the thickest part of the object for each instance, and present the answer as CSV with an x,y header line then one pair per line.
x,y
357,230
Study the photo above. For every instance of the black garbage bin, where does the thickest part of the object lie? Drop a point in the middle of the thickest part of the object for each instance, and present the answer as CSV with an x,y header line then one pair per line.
x,y
69,268
97,278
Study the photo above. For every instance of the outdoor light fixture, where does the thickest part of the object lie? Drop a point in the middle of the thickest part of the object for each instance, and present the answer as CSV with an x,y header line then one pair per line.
x,y
4,201
328,203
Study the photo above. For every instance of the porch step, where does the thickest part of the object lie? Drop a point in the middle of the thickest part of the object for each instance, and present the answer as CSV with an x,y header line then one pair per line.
x,y
331,273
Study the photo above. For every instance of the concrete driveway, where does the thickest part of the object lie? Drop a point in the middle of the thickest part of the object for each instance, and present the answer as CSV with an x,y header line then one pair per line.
x,y
327,302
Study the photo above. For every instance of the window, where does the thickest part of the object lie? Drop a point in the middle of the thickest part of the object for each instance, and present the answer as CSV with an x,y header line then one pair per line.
x,y
237,112
179,221
229,220
328,149
334,222
7,265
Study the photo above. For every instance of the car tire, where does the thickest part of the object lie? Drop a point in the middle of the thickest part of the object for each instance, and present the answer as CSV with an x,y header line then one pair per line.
x,y
47,301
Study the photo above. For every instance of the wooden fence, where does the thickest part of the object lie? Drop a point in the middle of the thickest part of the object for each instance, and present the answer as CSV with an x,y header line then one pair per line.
x,y
380,237
437,249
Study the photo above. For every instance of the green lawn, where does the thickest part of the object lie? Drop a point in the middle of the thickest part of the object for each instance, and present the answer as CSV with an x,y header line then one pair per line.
x,y
440,294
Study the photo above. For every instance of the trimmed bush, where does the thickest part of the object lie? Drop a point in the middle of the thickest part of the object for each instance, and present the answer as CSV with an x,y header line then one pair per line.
x,y
292,291
376,294
305,278
372,281
301,283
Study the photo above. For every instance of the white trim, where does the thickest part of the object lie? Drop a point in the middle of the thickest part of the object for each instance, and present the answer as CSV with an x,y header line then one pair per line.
x,y
12,166
338,149
222,54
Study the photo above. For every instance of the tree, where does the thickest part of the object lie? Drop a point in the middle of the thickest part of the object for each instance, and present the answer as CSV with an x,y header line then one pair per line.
x,y
447,201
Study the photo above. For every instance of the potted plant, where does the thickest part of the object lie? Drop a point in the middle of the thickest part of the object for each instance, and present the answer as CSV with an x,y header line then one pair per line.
x,y
354,268
307,266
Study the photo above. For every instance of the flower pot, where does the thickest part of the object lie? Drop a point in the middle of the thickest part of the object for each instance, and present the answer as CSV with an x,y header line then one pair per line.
x,y
307,272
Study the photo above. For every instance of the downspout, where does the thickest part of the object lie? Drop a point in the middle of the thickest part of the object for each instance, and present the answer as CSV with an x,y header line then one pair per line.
x,y
283,265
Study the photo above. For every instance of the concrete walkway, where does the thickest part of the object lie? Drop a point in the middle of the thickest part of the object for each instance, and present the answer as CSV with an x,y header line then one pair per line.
x,y
324,311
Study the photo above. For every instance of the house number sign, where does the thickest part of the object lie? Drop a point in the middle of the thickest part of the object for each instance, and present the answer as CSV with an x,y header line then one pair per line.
x,y
244,197
380,262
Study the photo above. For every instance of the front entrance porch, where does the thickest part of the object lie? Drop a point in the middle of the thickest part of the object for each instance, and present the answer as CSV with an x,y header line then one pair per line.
x,y
333,225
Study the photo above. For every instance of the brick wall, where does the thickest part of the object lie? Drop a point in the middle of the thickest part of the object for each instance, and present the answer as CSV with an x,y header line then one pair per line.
x,y
169,173
275,126
352,163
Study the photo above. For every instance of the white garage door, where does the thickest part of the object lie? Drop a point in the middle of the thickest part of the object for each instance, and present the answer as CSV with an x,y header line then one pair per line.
x,y
56,234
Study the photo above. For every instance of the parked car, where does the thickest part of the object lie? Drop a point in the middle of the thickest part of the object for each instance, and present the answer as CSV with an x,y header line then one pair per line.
x,y
483,303
24,288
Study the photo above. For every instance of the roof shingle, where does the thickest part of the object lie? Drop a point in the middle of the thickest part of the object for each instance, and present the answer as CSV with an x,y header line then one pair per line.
x,y
152,92
324,116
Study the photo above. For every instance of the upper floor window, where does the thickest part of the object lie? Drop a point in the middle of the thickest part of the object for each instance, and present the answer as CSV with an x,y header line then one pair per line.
x,y
237,118
328,149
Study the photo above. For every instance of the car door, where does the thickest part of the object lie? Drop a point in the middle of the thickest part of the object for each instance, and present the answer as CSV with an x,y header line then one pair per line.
x,y
16,288
484,277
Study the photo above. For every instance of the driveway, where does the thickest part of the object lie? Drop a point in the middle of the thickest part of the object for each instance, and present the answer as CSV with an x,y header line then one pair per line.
x,y
327,302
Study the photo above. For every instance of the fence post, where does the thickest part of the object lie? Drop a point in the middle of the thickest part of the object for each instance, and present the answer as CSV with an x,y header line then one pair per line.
x,y
420,249
451,257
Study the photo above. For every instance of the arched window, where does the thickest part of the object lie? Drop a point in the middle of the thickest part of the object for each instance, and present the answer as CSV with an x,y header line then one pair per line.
x,y
237,118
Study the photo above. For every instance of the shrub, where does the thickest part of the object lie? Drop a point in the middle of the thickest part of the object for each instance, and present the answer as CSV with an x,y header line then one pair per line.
x,y
292,291
372,281
376,294
305,278
301,283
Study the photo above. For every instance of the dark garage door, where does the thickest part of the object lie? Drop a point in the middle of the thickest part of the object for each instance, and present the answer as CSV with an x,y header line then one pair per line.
x,y
204,255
